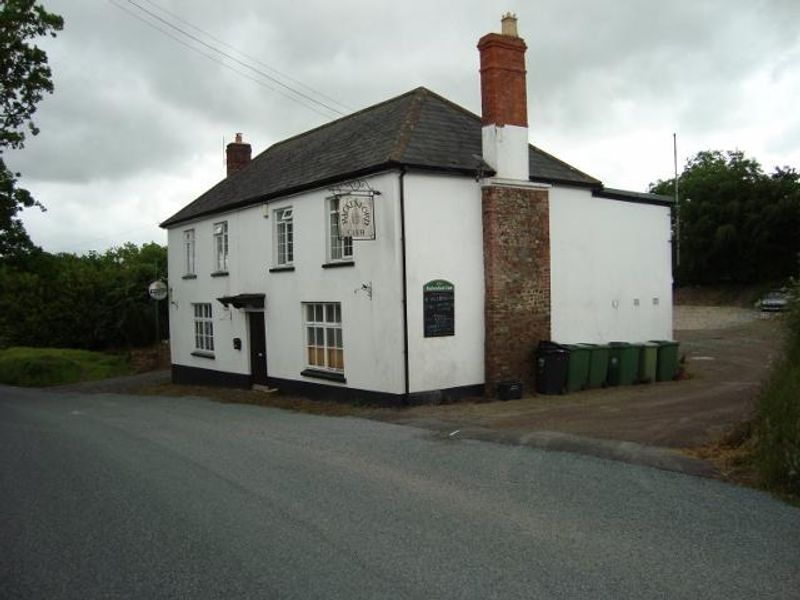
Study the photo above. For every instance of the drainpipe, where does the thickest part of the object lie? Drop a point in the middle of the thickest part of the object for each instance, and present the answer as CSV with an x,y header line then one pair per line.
x,y
405,284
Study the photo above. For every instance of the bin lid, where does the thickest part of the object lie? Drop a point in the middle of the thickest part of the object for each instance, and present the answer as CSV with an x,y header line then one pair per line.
x,y
665,342
548,347
578,347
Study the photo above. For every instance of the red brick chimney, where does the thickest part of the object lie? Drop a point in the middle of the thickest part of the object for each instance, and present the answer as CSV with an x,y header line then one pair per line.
x,y
237,154
516,219
504,101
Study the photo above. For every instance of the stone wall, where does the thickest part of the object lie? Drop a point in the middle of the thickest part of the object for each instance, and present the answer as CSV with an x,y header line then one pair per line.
x,y
516,247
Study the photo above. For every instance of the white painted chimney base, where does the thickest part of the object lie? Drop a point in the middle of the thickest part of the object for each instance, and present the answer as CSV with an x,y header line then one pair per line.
x,y
505,149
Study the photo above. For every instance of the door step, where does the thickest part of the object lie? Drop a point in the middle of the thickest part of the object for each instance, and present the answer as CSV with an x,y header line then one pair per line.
x,y
265,389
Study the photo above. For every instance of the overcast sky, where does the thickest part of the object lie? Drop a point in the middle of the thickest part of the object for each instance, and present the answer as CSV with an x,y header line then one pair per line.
x,y
135,127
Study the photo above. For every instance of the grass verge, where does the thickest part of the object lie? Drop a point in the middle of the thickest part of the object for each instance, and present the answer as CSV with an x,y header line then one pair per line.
x,y
776,432
39,367
765,451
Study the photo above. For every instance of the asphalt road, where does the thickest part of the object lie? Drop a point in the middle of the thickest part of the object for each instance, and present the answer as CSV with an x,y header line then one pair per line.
x,y
111,496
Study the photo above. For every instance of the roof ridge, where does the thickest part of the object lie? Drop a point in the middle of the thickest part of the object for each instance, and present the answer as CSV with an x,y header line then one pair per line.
x,y
341,119
409,124
418,128
452,104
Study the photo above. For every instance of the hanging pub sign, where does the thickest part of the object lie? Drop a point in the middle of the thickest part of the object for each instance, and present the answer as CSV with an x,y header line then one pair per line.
x,y
438,305
356,216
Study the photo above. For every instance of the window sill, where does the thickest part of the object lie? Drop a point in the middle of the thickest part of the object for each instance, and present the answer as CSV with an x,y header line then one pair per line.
x,y
335,265
189,276
219,274
203,354
282,269
329,375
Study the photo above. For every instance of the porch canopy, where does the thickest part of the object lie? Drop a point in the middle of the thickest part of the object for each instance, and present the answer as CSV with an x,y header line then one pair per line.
x,y
243,301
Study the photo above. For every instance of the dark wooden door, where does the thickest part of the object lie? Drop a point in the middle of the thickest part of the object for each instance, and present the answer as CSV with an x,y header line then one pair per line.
x,y
258,348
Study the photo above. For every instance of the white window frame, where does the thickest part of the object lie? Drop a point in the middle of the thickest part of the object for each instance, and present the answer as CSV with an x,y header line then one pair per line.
x,y
322,335
188,251
220,231
203,328
339,249
284,236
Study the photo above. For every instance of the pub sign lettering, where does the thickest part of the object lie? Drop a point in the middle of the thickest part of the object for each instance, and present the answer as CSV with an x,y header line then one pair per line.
x,y
356,217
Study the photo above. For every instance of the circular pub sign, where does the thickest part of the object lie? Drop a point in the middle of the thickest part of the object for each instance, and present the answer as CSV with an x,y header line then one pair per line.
x,y
157,290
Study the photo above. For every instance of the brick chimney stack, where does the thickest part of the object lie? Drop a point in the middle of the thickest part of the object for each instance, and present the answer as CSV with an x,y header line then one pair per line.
x,y
237,155
504,101
516,219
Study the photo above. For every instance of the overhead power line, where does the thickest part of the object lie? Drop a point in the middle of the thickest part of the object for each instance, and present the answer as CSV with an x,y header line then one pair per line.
x,y
310,103
248,56
303,99
233,58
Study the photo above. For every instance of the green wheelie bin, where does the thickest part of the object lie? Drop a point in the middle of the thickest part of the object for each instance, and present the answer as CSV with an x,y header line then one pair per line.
x,y
667,368
623,363
598,365
577,367
648,361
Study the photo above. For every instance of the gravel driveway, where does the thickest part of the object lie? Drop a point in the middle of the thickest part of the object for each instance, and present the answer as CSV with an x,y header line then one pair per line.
x,y
727,352
687,318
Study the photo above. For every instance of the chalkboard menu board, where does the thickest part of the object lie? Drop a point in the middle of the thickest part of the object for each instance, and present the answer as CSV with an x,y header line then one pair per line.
x,y
438,301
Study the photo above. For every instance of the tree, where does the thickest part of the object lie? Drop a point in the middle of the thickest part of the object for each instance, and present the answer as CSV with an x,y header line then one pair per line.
x,y
24,79
737,224
95,301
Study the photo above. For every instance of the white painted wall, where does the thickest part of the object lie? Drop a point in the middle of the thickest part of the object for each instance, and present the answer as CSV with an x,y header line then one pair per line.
x,y
505,149
228,323
372,328
606,254
444,233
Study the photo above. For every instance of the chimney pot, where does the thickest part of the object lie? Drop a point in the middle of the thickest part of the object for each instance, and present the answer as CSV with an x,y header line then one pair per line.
x,y
509,25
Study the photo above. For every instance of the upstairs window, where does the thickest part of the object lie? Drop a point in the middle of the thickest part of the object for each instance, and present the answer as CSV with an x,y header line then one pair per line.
x,y
339,249
324,347
221,247
284,236
188,251
203,328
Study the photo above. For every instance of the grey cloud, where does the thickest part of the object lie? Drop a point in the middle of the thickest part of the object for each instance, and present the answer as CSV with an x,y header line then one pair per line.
x,y
131,102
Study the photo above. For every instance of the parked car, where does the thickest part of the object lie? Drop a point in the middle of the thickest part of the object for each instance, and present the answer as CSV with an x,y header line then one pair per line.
x,y
774,301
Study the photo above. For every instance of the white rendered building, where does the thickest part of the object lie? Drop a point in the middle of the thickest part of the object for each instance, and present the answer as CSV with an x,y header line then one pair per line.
x,y
478,245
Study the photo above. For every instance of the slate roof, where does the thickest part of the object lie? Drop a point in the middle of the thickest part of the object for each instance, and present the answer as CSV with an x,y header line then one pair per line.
x,y
638,197
418,129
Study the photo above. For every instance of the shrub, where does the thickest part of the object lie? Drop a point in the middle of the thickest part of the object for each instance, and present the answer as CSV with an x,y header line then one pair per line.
x,y
777,425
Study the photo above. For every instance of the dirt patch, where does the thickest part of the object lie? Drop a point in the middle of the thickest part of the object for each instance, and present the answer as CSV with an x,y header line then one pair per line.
x,y
690,317
154,358
724,367
259,398
732,454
